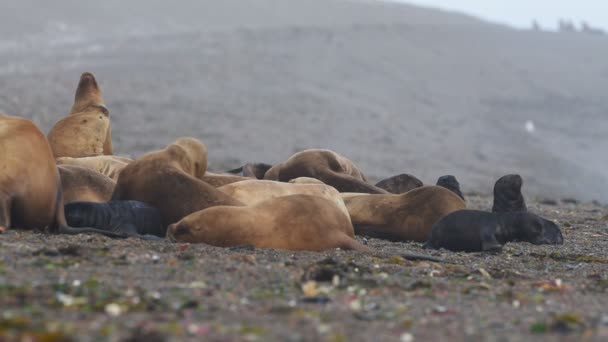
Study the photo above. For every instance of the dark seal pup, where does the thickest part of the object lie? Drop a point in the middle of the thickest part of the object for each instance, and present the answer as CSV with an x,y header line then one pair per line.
x,y
252,170
400,184
507,195
127,218
474,231
449,182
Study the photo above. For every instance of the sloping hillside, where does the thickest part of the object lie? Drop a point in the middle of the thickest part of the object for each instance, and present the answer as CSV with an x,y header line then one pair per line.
x,y
394,87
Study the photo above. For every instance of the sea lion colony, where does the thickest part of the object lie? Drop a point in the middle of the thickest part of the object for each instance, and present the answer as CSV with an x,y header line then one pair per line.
x,y
315,200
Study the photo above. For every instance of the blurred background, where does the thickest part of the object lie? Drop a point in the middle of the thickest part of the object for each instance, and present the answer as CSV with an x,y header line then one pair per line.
x,y
472,88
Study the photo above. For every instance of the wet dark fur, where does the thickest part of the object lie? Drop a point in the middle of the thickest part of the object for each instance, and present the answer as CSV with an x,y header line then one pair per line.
x,y
507,194
400,184
449,182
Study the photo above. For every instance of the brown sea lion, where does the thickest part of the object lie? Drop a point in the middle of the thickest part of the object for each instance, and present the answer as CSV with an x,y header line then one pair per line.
x,y
220,179
170,180
30,187
86,131
252,192
400,184
106,165
326,166
296,222
405,217
84,184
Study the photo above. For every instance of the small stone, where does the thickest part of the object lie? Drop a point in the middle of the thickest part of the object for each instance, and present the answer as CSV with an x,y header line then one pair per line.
x,y
113,309
406,337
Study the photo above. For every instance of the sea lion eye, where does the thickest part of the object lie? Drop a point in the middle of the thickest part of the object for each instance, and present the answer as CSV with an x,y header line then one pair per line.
x,y
181,230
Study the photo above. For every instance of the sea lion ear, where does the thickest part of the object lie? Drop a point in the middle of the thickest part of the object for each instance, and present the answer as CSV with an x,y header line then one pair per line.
x,y
87,93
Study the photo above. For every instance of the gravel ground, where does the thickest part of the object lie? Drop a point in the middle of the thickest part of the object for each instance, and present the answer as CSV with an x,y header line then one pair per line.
x,y
93,288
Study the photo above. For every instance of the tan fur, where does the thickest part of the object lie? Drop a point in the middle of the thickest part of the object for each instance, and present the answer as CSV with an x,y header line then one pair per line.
x,y
296,222
305,180
219,179
405,217
30,187
252,192
86,131
325,165
109,166
170,180
84,184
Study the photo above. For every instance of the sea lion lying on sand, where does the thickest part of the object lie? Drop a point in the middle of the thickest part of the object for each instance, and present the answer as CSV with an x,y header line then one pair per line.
x,y
252,170
405,217
449,182
86,131
30,187
170,180
106,165
84,184
326,166
474,230
296,222
507,194
251,192
128,218
220,179
400,184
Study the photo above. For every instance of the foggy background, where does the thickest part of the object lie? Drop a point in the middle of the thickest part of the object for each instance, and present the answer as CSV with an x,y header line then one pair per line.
x,y
394,87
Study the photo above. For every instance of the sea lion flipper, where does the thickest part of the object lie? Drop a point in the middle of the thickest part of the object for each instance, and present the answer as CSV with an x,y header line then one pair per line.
x,y
352,244
62,229
489,242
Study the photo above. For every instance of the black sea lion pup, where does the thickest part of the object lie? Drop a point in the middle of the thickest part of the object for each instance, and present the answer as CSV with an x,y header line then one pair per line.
x,y
128,218
170,180
507,194
86,131
449,182
327,166
400,184
296,222
474,231
252,170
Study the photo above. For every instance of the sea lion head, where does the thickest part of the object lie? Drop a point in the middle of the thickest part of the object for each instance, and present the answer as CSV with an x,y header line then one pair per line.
x,y
180,232
535,229
88,96
192,155
507,194
400,184
449,182
77,214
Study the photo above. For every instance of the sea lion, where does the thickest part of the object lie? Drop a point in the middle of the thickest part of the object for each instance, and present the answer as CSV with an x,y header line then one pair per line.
x,y
251,192
305,180
474,230
406,217
109,166
30,186
170,180
296,222
327,166
449,182
128,218
400,184
86,131
252,170
220,179
507,194
84,184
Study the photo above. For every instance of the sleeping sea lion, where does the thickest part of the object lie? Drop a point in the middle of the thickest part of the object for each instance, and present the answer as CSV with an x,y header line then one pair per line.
x,y
170,180
106,165
296,222
400,184
251,192
449,182
507,194
30,187
128,218
220,179
406,217
326,166
474,230
252,170
86,131
84,184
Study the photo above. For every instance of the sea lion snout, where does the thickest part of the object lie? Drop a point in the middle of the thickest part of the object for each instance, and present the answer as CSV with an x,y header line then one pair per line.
x,y
178,231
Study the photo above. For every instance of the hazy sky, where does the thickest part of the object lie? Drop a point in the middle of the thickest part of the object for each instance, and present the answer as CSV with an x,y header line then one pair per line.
x,y
520,13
